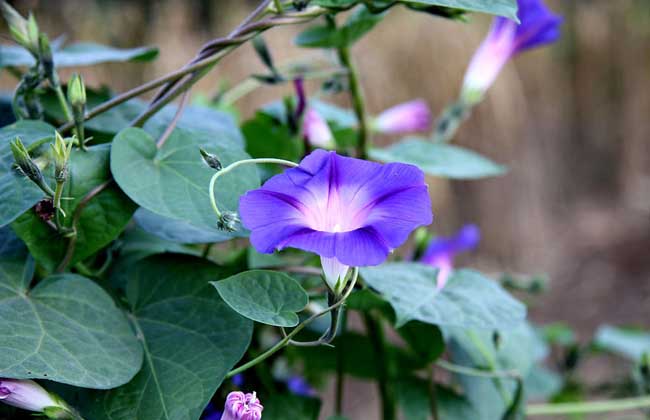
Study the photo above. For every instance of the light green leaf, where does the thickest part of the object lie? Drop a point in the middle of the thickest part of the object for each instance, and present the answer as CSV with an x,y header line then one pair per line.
x,y
190,336
66,329
17,192
439,159
468,300
506,8
173,181
624,342
174,230
102,219
269,297
77,55
360,22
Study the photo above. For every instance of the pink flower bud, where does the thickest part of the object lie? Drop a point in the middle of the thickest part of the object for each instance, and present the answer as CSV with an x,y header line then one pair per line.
x,y
409,117
316,130
27,395
240,406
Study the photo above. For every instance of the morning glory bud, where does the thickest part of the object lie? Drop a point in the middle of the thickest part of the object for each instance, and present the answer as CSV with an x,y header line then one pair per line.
x,y
409,117
61,153
240,406
228,221
539,26
30,396
316,130
76,91
211,160
25,162
17,24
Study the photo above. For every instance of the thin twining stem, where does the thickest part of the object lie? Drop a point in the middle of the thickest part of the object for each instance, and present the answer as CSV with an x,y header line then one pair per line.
x,y
588,407
469,371
286,339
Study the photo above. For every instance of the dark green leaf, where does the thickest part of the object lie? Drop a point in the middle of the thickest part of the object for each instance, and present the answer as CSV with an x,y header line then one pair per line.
x,y
516,409
173,181
77,55
66,329
452,406
10,244
506,8
414,398
336,4
439,159
267,137
286,406
17,192
191,340
468,300
425,340
174,230
624,342
359,23
269,297
102,219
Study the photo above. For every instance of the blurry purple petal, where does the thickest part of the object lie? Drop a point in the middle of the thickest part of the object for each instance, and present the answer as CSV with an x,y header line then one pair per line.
x,y
240,406
316,130
299,386
354,210
539,26
409,117
441,251
238,380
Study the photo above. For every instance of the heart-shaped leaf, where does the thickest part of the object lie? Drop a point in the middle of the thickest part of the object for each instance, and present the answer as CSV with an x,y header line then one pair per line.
x,y
191,339
17,192
439,159
360,22
173,181
268,297
506,8
66,329
468,300
174,230
100,221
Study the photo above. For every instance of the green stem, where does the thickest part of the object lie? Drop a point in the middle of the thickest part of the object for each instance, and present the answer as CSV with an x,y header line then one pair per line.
x,y
492,365
278,6
358,103
376,335
234,165
588,407
64,104
287,338
56,201
469,371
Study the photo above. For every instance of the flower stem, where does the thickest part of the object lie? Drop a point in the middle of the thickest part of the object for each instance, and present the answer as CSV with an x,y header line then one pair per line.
x,y
234,165
358,102
376,335
56,201
587,407
64,104
469,371
287,338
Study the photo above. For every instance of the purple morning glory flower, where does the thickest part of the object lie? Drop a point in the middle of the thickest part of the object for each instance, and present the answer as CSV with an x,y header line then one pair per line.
x,y
316,130
238,380
539,26
240,406
440,252
409,117
349,211
27,395
299,386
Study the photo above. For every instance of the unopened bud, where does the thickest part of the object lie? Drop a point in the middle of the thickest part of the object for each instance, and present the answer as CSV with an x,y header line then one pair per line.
x,y
211,160
61,152
228,221
76,91
24,161
28,395
17,24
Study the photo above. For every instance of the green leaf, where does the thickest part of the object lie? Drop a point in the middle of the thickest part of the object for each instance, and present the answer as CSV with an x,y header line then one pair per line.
x,y
173,181
335,4
266,137
425,340
542,383
506,8
190,336
77,55
256,259
287,406
439,159
468,300
452,406
413,396
17,192
628,343
66,329
269,297
174,230
360,22
102,219
10,244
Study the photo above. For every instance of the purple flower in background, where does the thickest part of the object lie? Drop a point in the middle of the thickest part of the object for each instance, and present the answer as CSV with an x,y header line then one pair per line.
x,y
299,386
349,211
240,406
238,380
440,252
539,26
27,395
409,117
316,130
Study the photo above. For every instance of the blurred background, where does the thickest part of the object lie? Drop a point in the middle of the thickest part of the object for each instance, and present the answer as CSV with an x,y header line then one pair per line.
x,y
571,121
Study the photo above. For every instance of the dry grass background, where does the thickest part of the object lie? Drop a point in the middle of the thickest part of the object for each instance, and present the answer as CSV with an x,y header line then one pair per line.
x,y
571,121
